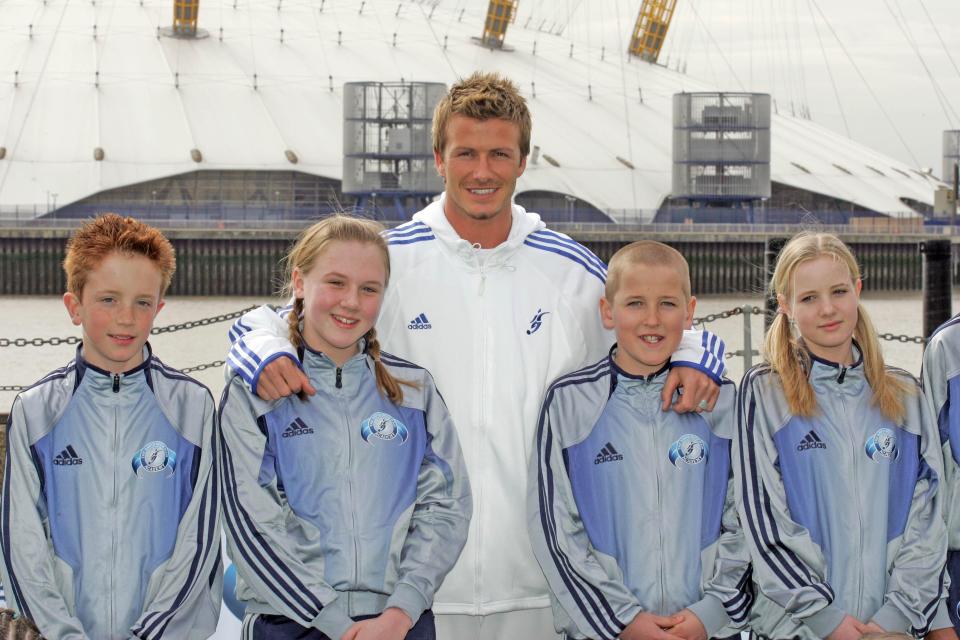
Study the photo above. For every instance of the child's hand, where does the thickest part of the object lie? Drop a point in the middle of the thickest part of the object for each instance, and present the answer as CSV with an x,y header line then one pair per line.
x,y
392,624
850,629
873,627
942,634
690,629
647,626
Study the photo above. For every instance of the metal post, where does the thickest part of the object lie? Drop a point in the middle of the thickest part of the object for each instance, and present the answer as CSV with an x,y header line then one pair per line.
x,y
936,284
956,195
747,338
772,250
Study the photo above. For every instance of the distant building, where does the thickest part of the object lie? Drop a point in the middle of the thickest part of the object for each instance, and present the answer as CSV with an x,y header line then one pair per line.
x,y
101,107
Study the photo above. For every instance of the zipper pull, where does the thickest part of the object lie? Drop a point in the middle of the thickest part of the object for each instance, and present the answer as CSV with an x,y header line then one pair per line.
x,y
116,383
843,373
339,378
483,281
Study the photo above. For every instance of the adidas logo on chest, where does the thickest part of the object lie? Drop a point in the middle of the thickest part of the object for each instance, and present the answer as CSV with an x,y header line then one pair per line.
x,y
68,457
811,441
297,428
608,454
420,323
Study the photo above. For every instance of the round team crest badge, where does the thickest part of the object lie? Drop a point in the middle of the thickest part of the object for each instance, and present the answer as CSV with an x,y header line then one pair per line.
x,y
882,446
154,457
688,449
383,426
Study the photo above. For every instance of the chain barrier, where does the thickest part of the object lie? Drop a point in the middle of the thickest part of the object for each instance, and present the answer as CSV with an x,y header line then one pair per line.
x,y
713,317
170,328
199,367
757,311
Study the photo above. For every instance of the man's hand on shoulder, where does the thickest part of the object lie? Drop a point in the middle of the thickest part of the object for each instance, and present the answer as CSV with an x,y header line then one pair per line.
x,y
700,392
281,378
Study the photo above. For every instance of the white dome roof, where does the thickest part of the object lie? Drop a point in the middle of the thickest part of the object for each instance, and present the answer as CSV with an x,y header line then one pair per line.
x,y
245,99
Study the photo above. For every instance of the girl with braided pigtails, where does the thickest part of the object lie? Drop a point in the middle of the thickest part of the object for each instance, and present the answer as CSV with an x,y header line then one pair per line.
x,y
840,466
345,509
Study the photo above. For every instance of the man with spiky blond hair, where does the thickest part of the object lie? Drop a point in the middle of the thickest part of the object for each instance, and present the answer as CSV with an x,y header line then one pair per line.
x,y
496,306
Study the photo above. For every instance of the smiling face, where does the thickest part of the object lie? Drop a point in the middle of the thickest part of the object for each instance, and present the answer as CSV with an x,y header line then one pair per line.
x,y
342,293
823,304
480,165
649,312
116,308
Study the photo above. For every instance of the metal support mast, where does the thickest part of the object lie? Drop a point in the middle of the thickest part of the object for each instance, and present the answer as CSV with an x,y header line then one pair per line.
x,y
651,28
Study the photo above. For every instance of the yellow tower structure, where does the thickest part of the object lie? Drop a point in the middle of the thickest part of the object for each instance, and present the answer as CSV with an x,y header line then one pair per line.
x,y
651,28
500,13
185,17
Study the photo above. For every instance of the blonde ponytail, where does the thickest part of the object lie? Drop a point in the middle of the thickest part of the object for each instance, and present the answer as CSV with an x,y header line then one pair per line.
x,y
293,323
791,362
888,389
388,385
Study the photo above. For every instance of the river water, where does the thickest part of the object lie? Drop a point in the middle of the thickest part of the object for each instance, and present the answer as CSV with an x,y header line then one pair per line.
x,y
42,317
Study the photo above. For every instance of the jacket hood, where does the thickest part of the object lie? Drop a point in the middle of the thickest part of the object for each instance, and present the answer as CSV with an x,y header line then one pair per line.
x,y
524,223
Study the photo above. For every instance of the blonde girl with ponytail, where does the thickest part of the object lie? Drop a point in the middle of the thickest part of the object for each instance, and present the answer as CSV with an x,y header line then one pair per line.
x,y
839,465
345,509
340,240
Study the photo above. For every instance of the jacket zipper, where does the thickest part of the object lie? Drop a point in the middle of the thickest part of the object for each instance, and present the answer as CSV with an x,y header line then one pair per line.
x,y
656,464
352,501
478,502
856,489
113,510
116,383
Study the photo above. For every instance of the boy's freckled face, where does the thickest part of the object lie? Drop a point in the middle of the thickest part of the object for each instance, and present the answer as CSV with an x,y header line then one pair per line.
x,y
649,313
116,309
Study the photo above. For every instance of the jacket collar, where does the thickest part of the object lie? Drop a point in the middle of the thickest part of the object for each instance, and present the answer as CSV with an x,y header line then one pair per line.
x,y
632,384
103,380
523,224
833,374
322,371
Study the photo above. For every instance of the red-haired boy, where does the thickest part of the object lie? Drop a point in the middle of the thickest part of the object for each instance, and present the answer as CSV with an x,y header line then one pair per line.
x,y
110,515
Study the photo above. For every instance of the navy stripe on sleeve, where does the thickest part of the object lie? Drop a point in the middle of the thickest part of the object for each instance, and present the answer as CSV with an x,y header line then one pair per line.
x,y
782,561
255,549
562,250
17,593
559,239
589,599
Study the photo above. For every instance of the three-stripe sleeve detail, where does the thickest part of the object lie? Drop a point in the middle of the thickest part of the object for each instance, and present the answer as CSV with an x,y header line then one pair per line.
x,y
14,587
930,611
738,606
409,233
570,249
712,359
243,360
256,551
782,561
589,599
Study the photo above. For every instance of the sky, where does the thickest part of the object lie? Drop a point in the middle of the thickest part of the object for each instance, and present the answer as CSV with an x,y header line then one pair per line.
x,y
884,72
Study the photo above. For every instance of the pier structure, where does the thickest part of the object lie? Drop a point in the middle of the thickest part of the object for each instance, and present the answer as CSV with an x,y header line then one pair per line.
x,y
245,260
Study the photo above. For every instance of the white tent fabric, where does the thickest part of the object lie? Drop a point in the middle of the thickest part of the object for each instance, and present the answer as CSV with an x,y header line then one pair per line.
x,y
77,75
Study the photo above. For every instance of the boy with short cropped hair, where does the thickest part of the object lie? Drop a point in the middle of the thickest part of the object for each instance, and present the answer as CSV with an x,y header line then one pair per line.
x,y
941,388
109,524
631,509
